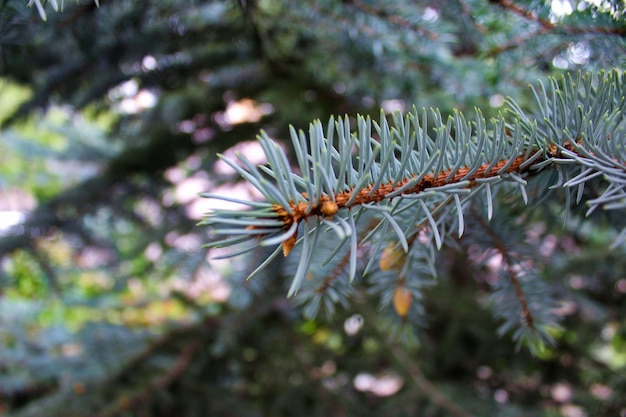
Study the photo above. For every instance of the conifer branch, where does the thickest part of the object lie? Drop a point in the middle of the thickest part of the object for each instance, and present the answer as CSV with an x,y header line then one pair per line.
x,y
527,316
414,177
427,387
546,25
543,27
394,19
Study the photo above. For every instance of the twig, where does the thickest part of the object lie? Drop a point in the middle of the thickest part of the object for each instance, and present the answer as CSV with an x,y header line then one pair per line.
x,y
392,18
425,385
545,26
162,381
409,366
513,275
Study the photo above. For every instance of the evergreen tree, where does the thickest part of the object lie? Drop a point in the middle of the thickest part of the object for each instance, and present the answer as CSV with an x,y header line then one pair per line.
x,y
459,252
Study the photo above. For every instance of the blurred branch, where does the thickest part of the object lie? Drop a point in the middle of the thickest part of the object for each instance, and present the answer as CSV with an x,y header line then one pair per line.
x,y
392,18
546,25
502,248
48,270
409,366
66,210
427,388
158,383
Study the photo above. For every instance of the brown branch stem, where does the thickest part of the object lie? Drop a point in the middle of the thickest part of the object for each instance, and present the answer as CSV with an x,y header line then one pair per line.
x,y
426,386
513,275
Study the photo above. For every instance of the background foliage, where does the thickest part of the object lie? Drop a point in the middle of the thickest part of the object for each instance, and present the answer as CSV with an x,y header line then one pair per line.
x,y
112,116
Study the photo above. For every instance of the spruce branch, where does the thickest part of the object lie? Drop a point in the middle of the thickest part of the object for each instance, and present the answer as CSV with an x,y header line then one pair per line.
x,y
528,309
415,175
547,26
392,18
426,387
55,6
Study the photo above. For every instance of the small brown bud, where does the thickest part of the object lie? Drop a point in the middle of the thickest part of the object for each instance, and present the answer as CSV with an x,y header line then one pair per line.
x,y
391,258
402,300
289,244
329,208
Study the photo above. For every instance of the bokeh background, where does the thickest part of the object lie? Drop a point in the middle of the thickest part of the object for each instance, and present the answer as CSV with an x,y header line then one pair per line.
x,y
112,114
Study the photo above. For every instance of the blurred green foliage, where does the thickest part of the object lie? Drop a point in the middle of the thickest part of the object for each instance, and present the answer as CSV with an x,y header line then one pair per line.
x,y
111,120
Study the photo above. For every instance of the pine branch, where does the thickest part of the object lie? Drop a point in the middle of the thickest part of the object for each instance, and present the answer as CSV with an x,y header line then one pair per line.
x,y
427,387
157,384
547,26
55,6
413,179
392,18
527,308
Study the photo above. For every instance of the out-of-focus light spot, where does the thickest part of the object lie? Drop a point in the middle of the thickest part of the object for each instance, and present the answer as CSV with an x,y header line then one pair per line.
x,y
501,396
187,243
171,237
71,349
174,174
91,257
207,284
196,209
368,101
126,89
168,198
484,372
364,382
600,391
387,385
336,382
608,332
136,288
250,149
153,251
430,15
203,135
9,219
576,282
384,385
146,99
353,324
187,126
560,62
149,63
327,369
548,245
565,308
496,100
149,210
242,111
193,162
494,263
620,286
128,98
143,100
16,200
570,410
561,392
390,106
579,53
339,88
14,205
240,190
189,188
559,9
